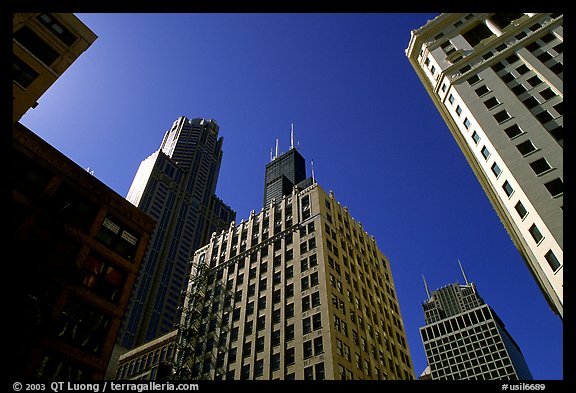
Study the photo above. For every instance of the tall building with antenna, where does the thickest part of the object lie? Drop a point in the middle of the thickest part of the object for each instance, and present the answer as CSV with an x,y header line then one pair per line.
x,y
297,291
497,81
465,339
283,172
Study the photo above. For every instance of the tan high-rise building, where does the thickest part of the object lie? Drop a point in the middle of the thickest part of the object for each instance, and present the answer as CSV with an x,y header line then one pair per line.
x,y
497,81
44,46
297,291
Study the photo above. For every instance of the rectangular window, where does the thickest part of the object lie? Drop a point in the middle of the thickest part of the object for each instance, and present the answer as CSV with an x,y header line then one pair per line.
x,y
535,232
552,260
22,73
467,123
513,131
508,188
521,210
555,187
526,147
482,90
491,103
485,152
540,166
502,116
458,110
496,170
451,98
36,45
475,137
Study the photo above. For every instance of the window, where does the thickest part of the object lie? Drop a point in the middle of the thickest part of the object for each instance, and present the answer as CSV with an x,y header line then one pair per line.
x,y
482,90
451,98
57,29
259,368
540,166
485,152
526,148
473,79
478,33
544,117
36,45
307,346
522,69
491,103
467,123
547,93
513,131
555,187
535,232
502,116
531,102
22,73
275,362
552,260
507,188
496,170
521,210
475,137
518,89
534,81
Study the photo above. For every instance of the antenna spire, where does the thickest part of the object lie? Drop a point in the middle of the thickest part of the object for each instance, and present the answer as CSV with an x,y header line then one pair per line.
x,y
271,159
292,136
463,274
276,156
313,178
426,287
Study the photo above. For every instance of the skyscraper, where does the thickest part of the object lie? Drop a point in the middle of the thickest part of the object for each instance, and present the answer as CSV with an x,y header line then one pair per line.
x,y
175,185
497,81
283,172
465,339
297,291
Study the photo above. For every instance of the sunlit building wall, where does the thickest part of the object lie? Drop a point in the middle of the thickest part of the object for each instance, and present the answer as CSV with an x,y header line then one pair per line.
x,y
497,81
297,291
43,47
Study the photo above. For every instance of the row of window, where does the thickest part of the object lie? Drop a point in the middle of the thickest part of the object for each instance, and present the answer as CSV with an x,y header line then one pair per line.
x,y
540,166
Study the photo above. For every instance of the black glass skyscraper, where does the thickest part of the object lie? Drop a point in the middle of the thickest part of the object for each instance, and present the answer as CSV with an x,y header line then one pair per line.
x,y
282,174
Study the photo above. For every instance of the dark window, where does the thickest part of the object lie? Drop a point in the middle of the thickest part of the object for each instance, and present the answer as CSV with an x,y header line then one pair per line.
x,y
473,79
512,59
28,39
540,166
22,73
521,209
522,69
507,188
526,147
501,116
552,260
481,90
118,238
535,232
555,187
57,29
491,103
544,117
513,131
547,93
531,102
534,81
478,33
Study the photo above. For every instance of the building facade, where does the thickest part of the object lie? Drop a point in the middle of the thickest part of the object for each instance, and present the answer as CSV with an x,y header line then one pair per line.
x,y
149,361
465,339
43,47
176,186
297,291
77,248
497,81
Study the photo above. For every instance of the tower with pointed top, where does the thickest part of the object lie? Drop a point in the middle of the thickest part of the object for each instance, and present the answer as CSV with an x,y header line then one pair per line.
x,y
465,339
283,172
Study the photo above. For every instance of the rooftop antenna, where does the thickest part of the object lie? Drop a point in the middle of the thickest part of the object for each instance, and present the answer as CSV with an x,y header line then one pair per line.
x,y
292,137
426,287
271,159
313,178
276,156
464,274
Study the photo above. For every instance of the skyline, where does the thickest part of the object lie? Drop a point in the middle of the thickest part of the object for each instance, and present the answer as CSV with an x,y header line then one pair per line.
x,y
359,113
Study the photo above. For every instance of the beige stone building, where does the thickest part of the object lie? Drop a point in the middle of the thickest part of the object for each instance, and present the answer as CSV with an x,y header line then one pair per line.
x,y
44,46
497,81
297,291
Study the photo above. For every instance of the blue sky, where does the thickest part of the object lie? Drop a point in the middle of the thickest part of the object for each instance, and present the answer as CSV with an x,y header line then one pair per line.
x,y
359,112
